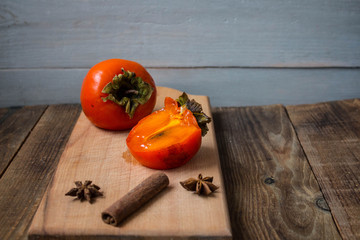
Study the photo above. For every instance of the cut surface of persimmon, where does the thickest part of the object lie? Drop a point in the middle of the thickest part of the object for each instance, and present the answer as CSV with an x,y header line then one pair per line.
x,y
167,138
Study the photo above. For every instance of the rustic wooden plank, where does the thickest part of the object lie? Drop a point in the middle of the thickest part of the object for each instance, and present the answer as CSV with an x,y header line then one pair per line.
x,y
15,125
183,33
239,87
271,190
330,135
3,111
24,182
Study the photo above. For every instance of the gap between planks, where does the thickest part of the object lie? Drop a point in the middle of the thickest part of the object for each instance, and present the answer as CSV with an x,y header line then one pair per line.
x,y
26,131
325,205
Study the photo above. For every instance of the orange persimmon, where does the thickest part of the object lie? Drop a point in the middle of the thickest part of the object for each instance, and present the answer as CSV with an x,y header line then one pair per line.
x,y
117,93
167,138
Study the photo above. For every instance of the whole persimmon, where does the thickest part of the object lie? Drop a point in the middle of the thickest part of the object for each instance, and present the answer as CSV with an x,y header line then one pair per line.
x,y
117,93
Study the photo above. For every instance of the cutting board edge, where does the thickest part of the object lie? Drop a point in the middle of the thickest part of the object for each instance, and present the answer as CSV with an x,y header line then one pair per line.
x,y
224,196
128,237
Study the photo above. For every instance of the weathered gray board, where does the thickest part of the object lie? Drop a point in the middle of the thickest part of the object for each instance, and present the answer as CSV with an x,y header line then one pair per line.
x,y
168,33
227,86
47,47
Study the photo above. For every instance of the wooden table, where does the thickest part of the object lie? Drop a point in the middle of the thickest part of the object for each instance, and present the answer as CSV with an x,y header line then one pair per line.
x,y
290,172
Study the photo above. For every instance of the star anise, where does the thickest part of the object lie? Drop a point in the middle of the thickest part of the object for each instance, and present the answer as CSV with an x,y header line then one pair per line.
x,y
200,186
86,191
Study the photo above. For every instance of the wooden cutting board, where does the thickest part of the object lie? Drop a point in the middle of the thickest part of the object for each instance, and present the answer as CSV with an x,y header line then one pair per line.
x,y
102,156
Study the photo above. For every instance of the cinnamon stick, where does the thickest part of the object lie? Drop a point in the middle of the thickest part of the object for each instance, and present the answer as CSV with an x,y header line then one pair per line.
x,y
134,199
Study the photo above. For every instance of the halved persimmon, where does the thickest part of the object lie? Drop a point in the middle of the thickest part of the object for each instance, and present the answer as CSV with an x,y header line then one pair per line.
x,y
167,138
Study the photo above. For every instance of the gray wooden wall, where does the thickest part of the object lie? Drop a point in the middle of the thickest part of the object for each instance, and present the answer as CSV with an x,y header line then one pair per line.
x,y
248,52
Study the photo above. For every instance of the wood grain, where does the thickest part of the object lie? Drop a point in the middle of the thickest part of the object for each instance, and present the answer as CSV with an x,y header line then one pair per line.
x,y
15,125
48,47
185,33
26,179
102,156
3,111
330,135
239,87
271,190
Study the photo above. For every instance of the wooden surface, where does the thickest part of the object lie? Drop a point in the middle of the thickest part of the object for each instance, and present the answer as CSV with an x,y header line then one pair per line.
x,y
16,123
330,134
274,33
102,156
273,172
250,45
25,180
275,189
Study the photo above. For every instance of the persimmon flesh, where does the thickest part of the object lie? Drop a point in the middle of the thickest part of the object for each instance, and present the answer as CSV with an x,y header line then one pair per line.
x,y
167,138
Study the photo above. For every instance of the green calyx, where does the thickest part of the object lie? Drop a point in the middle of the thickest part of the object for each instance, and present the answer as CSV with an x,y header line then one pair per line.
x,y
195,107
128,91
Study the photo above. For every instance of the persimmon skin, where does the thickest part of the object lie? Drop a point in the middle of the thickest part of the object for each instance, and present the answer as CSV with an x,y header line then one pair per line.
x,y
167,138
109,115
